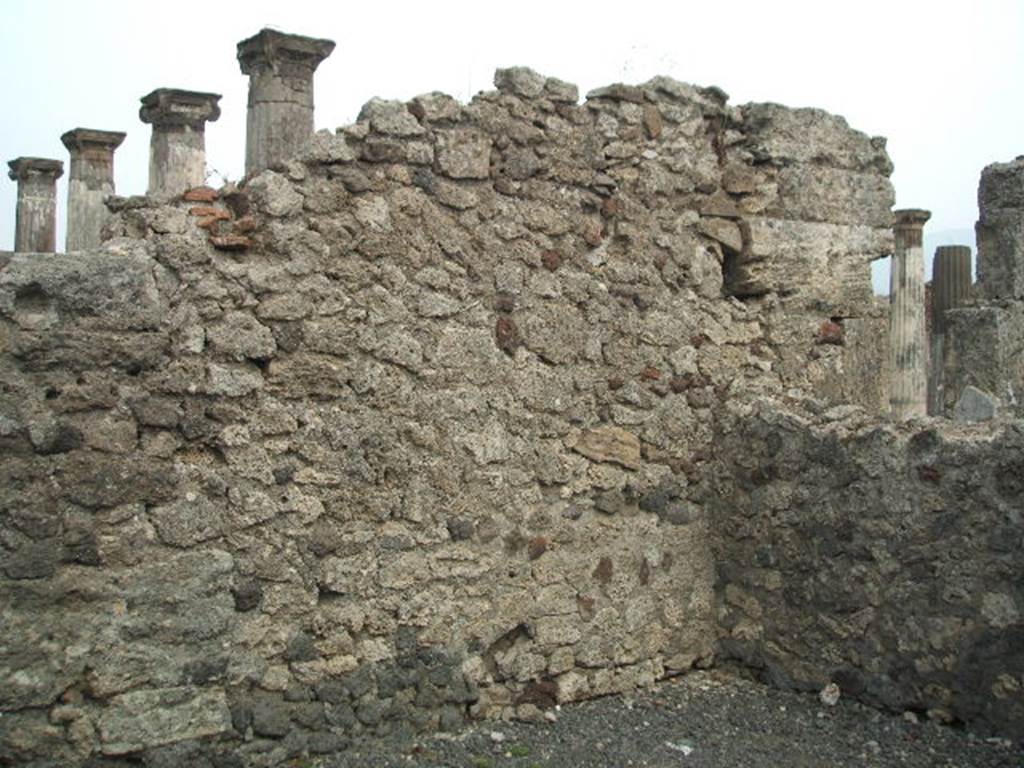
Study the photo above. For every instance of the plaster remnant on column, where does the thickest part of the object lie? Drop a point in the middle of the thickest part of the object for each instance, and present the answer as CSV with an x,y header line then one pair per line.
x,y
35,228
177,159
908,394
90,182
280,112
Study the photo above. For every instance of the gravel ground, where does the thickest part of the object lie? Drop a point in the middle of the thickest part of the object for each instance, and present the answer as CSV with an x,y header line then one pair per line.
x,y
703,720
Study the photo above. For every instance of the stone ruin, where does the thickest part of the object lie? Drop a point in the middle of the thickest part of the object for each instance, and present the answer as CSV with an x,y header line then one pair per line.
x,y
463,411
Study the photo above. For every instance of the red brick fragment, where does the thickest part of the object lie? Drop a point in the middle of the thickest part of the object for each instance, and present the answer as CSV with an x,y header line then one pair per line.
x,y
506,335
650,373
201,195
551,260
245,224
537,547
830,333
208,211
231,242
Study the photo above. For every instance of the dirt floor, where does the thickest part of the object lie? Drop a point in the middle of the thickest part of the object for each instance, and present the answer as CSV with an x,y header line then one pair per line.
x,y
710,719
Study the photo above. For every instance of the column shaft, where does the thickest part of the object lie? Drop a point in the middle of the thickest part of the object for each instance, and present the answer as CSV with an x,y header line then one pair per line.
x,y
280,111
90,182
951,285
35,227
177,148
908,395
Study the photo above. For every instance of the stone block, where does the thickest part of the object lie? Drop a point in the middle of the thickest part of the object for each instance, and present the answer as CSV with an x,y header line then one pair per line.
x,y
782,136
142,719
464,154
975,405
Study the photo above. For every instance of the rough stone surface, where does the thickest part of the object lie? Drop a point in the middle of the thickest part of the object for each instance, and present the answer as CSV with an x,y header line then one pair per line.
x,y
975,405
428,424
882,559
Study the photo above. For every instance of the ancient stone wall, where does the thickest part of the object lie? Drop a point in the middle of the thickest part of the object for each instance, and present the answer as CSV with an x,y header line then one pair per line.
x,y
885,559
986,346
418,426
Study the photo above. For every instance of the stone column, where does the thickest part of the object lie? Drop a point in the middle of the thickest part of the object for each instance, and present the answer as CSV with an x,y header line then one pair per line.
x,y
951,285
280,115
35,226
177,149
90,181
908,388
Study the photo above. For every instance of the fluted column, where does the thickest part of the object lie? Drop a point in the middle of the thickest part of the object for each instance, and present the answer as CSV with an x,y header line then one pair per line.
x,y
908,394
177,149
35,224
90,181
951,285
280,114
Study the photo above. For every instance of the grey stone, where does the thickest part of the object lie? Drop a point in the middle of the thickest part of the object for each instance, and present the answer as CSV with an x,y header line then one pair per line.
x,y
241,336
464,154
975,405
146,718
521,81
271,715
274,194
391,118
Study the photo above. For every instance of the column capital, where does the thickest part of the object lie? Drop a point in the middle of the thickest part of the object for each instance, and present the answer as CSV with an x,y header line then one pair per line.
x,y
910,218
286,54
26,167
84,139
173,108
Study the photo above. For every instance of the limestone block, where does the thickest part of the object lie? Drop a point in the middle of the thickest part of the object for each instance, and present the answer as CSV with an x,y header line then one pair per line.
x,y
274,194
391,118
810,192
975,405
113,289
784,136
147,718
464,153
610,444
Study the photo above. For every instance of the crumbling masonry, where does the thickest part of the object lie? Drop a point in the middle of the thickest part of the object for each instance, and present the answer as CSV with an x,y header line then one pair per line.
x,y
467,410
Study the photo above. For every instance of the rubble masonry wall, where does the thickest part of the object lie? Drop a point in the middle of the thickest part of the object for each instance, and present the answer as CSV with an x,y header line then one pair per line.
x,y
419,426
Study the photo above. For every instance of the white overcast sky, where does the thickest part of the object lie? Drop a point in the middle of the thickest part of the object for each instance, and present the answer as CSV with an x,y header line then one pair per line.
x,y
943,80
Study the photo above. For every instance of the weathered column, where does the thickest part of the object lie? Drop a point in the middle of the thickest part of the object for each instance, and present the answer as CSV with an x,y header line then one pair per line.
x,y
951,285
177,149
908,393
90,181
35,224
280,115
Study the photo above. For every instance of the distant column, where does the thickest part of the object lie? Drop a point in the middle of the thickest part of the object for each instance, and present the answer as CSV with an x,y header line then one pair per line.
x,y
35,224
177,149
908,393
280,114
951,285
90,181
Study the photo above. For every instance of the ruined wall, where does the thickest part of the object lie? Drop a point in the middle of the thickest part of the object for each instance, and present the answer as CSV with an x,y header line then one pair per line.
x,y
987,335
410,429
884,559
